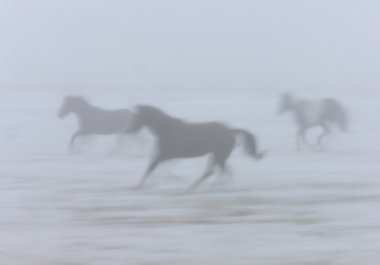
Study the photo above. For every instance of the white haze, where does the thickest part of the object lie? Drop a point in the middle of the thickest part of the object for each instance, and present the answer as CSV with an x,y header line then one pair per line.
x,y
198,60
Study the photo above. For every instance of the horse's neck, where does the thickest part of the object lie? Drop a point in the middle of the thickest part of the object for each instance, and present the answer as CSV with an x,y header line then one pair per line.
x,y
162,127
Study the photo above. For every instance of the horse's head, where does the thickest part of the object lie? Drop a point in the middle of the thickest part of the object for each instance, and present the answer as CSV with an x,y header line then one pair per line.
x,y
145,115
71,104
286,103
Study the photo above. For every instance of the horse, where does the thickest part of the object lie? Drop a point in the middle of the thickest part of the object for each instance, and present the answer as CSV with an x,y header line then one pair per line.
x,y
318,113
94,120
176,138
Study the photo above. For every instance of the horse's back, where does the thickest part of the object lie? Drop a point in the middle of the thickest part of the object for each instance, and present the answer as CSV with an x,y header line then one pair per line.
x,y
104,121
196,139
309,112
122,112
210,128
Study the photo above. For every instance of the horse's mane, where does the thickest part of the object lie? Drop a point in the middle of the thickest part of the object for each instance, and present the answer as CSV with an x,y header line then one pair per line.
x,y
156,113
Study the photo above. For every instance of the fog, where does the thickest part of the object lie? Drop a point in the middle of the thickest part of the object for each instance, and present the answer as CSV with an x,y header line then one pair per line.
x,y
226,61
194,45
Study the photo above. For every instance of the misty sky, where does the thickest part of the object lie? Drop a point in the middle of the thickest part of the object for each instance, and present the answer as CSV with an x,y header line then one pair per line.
x,y
190,44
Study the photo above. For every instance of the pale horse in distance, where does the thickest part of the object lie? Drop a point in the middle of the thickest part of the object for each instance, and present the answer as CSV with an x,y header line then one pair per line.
x,y
317,113
93,120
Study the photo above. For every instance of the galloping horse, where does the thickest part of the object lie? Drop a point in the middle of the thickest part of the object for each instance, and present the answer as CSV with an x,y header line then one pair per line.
x,y
94,120
308,114
179,139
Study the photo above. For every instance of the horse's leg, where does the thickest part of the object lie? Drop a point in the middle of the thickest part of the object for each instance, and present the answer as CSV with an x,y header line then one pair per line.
x,y
221,162
304,140
225,173
225,169
71,145
119,144
208,172
299,136
148,171
325,132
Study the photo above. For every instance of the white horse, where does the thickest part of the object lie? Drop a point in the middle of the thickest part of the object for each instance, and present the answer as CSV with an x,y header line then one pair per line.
x,y
94,120
319,113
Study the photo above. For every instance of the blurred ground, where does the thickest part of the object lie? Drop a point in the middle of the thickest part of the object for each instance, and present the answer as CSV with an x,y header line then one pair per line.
x,y
290,209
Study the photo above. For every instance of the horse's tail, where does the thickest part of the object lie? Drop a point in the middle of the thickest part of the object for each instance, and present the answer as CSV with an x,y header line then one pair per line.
x,y
250,143
339,114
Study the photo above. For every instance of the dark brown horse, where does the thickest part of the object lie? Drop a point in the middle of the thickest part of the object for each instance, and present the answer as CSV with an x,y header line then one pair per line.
x,y
179,139
94,120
